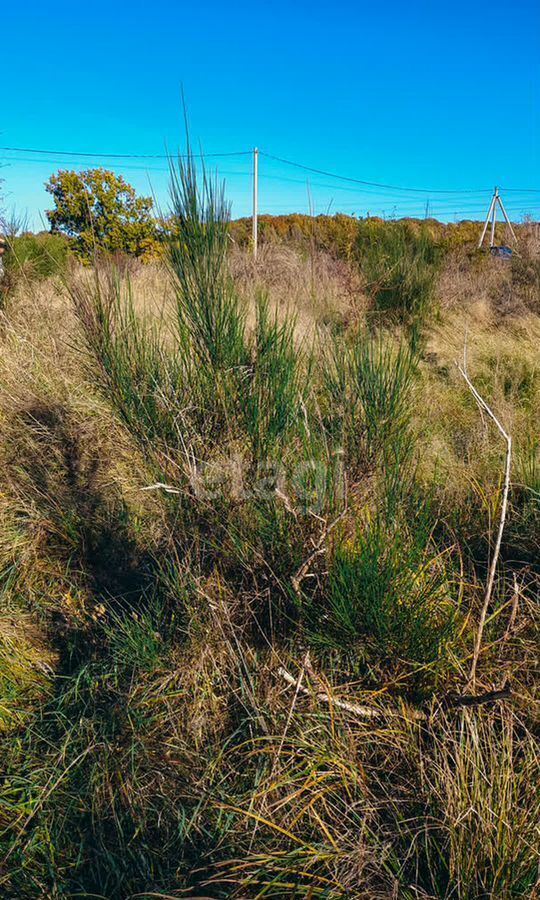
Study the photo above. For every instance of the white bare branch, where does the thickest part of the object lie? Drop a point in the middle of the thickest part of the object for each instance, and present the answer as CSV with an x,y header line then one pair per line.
x,y
504,506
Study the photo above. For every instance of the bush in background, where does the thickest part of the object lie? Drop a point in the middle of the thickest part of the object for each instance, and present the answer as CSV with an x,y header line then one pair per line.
x,y
400,262
36,256
335,234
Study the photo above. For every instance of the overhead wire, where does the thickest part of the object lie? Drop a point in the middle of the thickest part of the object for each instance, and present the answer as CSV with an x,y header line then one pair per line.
x,y
283,160
126,167
393,187
125,155
379,196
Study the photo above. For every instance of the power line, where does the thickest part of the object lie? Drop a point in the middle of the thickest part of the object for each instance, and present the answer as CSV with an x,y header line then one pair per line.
x,y
358,192
373,192
392,187
264,175
288,162
520,190
167,156
122,167
54,162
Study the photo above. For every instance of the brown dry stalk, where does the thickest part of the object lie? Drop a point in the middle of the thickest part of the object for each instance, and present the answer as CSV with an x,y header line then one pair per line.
x,y
319,550
513,610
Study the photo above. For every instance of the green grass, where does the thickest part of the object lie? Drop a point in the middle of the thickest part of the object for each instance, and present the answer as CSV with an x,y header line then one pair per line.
x,y
387,584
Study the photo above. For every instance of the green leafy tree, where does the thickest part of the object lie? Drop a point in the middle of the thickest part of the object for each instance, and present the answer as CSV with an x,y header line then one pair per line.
x,y
99,210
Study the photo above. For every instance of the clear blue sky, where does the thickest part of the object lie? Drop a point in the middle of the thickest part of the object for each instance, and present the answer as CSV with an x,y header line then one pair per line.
x,y
436,95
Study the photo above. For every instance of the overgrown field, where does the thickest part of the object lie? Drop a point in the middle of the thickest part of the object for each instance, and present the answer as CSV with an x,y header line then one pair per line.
x,y
249,513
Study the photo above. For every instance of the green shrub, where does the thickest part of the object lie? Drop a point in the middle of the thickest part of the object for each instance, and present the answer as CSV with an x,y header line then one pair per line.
x,y
388,588
37,256
368,395
211,377
274,383
210,320
400,262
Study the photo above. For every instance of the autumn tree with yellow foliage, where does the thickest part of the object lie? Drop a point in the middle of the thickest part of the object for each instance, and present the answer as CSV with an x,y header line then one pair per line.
x,y
101,212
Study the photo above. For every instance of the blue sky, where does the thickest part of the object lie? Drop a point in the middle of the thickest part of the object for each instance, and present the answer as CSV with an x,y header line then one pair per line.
x,y
441,96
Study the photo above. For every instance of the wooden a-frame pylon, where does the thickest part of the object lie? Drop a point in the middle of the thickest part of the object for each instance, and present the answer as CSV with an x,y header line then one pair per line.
x,y
492,214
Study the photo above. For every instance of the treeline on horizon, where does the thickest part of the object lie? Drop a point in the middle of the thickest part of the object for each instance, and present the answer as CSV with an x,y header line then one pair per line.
x,y
46,253
98,212
337,233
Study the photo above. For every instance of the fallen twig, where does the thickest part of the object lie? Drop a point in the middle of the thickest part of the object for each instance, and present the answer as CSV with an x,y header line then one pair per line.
x,y
365,712
480,699
301,572
160,485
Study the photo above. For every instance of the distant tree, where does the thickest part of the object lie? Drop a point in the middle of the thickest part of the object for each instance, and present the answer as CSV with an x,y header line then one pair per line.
x,y
99,210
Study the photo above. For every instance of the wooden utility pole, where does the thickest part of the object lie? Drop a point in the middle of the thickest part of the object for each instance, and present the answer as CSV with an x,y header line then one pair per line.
x,y
507,220
492,214
255,215
489,213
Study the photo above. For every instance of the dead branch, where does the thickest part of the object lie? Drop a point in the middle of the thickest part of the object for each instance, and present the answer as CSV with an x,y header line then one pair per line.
x,y
480,699
302,571
504,506
161,486
365,712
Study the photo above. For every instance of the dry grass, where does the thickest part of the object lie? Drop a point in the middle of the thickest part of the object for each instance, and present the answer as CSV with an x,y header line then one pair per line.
x,y
149,745
317,288
503,361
